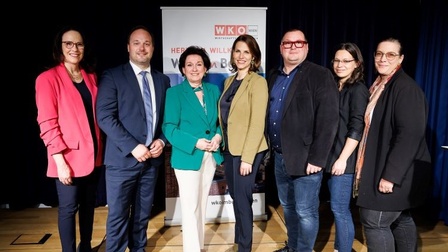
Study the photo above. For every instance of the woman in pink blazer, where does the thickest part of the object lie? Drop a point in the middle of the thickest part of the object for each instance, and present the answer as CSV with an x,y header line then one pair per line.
x,y
65,98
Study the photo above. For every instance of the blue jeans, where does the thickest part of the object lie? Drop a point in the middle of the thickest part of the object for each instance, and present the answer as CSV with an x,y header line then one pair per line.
x,y
341,194
299,197
389,231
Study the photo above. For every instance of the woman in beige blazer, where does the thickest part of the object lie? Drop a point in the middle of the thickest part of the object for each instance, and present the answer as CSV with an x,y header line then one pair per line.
x,y
242,112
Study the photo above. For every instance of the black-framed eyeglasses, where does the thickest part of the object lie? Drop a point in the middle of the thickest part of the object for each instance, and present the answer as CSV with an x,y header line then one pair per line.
x,y
297,44
344,61
389,55
70,44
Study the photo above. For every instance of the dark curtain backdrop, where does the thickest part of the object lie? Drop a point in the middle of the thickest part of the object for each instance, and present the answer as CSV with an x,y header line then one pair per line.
x,y
419,24
432,74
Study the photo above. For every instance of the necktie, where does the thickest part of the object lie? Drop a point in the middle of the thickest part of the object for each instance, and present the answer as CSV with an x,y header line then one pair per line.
x,y
148,105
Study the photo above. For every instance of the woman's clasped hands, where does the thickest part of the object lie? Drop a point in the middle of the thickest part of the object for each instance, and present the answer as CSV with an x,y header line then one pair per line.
x,y
209,145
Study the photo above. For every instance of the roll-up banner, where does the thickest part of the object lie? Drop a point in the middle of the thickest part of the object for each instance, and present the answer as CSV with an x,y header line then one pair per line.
x,y
215,29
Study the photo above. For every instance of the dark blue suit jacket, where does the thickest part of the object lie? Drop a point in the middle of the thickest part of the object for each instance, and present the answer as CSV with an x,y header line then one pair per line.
x,y
121,113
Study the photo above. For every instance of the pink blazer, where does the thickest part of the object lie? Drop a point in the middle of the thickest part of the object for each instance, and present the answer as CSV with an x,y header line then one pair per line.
x,y
63,122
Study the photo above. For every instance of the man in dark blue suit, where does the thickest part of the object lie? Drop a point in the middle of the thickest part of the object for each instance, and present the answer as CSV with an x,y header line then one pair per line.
x,y
131,118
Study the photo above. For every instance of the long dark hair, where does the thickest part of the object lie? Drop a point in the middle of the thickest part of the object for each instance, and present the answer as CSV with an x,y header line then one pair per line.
x,y
358,73
88,62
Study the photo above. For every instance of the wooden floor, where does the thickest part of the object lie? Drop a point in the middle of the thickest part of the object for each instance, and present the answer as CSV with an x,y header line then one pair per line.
x,y
35,230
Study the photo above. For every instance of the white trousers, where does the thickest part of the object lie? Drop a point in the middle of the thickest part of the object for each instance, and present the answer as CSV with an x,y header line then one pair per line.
x,y
194,188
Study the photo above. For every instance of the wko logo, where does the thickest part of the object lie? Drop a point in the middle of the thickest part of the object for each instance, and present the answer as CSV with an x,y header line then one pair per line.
x,y
235,30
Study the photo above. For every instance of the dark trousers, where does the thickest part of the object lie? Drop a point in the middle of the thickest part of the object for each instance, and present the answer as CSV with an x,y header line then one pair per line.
x,y
130,195
78,197
240,189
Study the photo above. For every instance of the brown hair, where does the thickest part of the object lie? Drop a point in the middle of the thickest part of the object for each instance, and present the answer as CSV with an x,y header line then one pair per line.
x,y
254,49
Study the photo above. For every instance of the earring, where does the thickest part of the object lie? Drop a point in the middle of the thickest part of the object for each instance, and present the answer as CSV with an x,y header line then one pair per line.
x,y
252,62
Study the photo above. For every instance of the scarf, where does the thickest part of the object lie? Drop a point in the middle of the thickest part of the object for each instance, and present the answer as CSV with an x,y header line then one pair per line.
x,y
375,92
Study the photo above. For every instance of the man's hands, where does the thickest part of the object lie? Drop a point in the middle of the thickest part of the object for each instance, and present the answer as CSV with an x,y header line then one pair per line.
x,y
310,169
143,153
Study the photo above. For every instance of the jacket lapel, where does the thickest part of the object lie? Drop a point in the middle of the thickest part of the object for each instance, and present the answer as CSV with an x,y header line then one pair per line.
x,y
193,101
157,90
131,78
67,83
241,90
293,86
210,104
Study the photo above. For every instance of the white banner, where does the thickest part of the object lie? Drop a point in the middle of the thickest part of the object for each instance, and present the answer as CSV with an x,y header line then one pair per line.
x,y
215,29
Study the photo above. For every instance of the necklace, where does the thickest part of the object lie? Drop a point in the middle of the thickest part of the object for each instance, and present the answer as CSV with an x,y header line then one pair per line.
x,y
75,77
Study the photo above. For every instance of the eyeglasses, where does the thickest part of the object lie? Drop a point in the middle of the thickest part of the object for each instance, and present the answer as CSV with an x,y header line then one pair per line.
x,y
70,44
344,61
297,44
389,55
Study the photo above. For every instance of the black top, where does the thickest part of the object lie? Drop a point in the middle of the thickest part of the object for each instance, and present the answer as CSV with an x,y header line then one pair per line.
x,y
225,103
353,101
87,100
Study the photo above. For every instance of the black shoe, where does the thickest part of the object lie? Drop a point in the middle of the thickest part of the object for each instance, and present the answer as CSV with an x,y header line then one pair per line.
x,y
285,249
81,248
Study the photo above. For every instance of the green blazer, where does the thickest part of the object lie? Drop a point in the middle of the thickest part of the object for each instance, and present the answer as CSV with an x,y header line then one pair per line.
x,y
247,117
186,120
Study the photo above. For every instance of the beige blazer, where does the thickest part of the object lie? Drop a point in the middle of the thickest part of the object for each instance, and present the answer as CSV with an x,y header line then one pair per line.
x,y
247,115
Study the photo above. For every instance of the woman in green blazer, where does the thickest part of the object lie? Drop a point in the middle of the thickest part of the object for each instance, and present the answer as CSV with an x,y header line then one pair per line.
x,y
191,126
